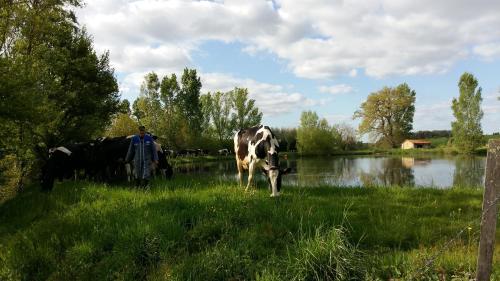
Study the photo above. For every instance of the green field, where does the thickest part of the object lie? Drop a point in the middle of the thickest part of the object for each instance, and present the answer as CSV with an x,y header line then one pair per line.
x,y
201,229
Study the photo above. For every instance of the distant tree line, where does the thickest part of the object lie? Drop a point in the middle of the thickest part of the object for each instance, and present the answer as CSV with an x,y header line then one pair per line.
x,y
430,134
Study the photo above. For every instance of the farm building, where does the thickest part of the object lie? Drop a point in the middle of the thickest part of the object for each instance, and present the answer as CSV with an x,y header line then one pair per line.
x,y
410,144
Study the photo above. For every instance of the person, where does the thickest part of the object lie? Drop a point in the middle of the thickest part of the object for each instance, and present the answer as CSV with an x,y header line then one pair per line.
x,y
142,150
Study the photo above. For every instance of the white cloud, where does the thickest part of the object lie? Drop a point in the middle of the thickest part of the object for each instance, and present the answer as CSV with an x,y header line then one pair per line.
x,y
336,89
271,99
318,39
334,119
436,116
489,50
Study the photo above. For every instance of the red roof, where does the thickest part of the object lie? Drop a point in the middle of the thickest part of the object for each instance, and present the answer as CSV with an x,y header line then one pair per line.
x,y
419,141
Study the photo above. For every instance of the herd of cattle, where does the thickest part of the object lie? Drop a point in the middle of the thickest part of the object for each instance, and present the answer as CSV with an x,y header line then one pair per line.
x,y
100,160
103,159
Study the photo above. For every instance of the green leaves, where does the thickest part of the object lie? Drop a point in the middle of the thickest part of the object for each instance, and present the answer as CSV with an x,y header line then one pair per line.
x,y
54,88
315,136
466,129
246,114
387,115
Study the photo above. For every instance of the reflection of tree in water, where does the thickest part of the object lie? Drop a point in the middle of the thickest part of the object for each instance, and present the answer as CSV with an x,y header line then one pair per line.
x,y
330,171
390,172
469,172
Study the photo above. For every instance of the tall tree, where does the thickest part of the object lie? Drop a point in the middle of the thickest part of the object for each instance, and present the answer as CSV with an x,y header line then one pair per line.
x,y
54,88
150,92
387,115
466,129
206,102
220,115
139,109
316,136
169,89
246,113
347,135
188,104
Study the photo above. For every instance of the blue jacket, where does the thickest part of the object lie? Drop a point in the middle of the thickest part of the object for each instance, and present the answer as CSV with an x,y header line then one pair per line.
x,y
143,152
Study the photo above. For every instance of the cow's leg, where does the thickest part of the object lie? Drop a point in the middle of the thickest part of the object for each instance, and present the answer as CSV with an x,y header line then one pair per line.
x,y
128,170
251,169
240,172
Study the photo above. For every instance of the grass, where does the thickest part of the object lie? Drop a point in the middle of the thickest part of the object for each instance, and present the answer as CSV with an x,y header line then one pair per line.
x,y
196,159
203,229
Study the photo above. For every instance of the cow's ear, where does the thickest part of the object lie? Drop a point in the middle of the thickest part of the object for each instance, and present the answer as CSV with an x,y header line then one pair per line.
x,y
286,171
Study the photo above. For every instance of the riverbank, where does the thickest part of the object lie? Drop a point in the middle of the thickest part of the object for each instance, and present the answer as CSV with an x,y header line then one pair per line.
x,y
198,159
398,151
199,229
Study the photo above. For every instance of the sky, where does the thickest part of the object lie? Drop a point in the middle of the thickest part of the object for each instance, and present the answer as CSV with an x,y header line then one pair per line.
x,y
320,55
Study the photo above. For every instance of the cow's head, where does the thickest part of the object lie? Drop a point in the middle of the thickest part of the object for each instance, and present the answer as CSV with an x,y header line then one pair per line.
x,y
274,173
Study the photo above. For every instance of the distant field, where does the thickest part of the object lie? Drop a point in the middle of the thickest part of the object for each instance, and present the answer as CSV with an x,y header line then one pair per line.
x,y
196,229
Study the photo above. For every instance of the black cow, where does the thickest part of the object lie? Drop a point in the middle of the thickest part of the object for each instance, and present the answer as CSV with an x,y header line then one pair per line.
x,y
187,152
110,158
257,147
66,162
163,168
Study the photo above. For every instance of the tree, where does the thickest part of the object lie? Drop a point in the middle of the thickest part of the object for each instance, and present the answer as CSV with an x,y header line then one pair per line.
x,y
54,88
169,89
122,125
139,109
219,109
246,114
316,136
124,107
287,138
188,102
347,135
466,129
151,104
387,115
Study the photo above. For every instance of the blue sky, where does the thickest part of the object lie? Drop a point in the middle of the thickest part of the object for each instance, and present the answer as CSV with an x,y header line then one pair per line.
x,y
326,56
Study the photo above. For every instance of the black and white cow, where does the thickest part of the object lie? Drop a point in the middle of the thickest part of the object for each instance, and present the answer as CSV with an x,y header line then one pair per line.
x,y
163,168
65,162
257,148
223,152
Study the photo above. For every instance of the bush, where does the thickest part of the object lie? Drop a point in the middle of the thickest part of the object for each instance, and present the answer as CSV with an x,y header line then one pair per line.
x,y
9,177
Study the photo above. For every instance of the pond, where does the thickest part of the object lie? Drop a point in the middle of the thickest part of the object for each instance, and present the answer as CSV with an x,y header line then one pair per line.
x,y
433,171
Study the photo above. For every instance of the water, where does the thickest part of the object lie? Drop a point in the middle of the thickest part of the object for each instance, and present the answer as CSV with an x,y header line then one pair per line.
x,y
435,171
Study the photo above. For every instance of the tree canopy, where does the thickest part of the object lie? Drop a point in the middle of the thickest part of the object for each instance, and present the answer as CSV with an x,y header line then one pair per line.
x,y
316,136
246,113
387,115
466,129
54,88
183,118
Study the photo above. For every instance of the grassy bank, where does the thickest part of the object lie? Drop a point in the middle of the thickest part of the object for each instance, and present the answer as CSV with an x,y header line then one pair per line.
x,y
197,159
199,229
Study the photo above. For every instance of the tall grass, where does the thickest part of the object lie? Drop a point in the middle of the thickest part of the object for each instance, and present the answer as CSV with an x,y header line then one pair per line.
x,y
203,229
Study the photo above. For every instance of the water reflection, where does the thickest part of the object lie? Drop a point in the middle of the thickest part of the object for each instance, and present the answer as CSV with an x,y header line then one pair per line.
x,y
441,172
390,171
468,172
